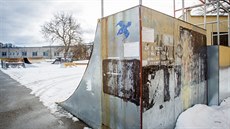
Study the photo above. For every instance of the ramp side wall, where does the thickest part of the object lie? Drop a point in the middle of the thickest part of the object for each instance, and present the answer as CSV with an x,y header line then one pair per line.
x,y
85,102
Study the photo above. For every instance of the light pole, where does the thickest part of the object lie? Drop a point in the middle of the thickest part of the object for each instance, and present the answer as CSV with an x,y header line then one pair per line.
x,y
102,8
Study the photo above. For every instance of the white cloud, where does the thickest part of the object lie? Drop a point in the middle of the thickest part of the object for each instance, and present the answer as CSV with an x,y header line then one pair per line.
x,y
21,20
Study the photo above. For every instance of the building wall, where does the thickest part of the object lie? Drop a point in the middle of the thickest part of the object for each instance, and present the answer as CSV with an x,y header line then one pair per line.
x,y
17,52
224,60
46,52
210,27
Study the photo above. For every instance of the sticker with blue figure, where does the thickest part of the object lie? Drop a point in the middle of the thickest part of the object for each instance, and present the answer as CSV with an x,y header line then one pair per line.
x,y
123,28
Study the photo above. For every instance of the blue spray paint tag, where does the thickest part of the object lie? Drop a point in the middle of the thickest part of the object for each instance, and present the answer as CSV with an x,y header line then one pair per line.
x,y
123,28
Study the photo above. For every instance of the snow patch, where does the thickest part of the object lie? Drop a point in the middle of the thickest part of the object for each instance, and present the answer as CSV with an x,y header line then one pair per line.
x,y
202,116
81,61
87,128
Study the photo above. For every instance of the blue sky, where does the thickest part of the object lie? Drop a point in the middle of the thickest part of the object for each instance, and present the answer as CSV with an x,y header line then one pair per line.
x,y
21,20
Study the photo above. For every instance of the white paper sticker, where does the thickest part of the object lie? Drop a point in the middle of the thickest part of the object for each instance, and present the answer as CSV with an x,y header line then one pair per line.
x,y
132,49
88,85
147,34
144,62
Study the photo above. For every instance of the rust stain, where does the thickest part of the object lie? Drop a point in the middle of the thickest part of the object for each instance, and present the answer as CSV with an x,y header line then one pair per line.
x,y
141,71
121,79
106,118
104,38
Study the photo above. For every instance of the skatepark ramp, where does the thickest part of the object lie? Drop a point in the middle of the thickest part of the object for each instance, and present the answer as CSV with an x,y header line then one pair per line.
x,y
12,63
146,68
26,61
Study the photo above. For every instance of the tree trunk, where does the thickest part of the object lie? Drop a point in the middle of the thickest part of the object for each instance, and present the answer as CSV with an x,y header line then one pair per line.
x,y
66,50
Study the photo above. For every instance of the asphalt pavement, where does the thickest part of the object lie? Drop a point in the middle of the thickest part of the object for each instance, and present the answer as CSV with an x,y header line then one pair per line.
x,y
21,110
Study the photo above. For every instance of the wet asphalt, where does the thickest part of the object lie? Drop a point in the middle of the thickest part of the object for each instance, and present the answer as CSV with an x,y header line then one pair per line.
x,y
21,110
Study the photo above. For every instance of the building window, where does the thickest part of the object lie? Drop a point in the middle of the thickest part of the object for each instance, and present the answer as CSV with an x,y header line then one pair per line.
x,y
45,53
34,53
223,38
4,53
56,53
24,53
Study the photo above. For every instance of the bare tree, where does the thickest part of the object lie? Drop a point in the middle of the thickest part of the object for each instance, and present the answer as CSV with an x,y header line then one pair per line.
x,y
81,51
63,29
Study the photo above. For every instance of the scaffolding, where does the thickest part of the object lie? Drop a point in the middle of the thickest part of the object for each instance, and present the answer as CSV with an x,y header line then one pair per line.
x,y
218,6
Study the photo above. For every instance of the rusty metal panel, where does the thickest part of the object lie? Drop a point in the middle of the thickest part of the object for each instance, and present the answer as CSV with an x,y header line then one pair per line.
x,y
173,68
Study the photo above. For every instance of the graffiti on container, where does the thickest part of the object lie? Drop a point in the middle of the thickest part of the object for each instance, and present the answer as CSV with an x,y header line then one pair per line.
x,y
186,66
121,79
194,56
157,62
159,52
123,28
177,76
153,78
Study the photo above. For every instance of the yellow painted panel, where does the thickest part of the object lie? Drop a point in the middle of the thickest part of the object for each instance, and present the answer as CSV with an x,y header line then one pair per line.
x,y
224,54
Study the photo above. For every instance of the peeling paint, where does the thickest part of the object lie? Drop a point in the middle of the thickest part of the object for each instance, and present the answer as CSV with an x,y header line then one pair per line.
x,y
174,69
121,79
177,74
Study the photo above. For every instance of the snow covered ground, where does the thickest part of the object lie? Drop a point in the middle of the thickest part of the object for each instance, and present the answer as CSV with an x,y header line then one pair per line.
x,y
52,83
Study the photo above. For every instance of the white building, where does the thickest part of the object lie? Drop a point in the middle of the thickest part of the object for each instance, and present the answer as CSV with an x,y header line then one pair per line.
x,y
46,52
